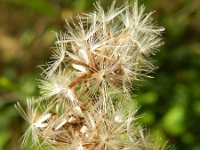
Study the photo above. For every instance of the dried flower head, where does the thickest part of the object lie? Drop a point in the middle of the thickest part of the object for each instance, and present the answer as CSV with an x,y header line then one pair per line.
x,y
105,52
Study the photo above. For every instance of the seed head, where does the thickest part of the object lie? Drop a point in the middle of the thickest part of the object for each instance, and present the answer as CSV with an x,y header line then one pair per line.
x,y
87,82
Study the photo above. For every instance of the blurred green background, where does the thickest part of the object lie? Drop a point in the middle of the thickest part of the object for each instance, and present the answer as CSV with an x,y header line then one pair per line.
x,y
170,102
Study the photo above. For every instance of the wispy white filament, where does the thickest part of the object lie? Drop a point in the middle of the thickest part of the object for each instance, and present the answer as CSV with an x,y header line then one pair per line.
x,y
88,79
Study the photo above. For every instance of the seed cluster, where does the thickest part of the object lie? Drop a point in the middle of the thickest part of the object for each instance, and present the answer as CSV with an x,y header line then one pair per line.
x,y
86,83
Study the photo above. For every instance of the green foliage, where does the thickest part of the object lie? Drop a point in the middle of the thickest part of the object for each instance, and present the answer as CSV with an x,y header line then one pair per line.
x,y
170,102
40,6
176,81
173,121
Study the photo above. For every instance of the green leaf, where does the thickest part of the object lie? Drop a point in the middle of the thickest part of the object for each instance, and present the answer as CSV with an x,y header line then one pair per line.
x,y
196,106
148,118
173,121
5,83
148,98
40,6
4,136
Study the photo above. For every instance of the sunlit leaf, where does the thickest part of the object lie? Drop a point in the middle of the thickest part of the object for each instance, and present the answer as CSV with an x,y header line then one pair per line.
x,y
173,121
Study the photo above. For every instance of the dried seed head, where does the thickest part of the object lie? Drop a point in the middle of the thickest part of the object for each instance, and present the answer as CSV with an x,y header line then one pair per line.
x,y
105,52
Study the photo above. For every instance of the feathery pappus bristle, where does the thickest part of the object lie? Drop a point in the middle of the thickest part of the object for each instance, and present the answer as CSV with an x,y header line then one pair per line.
x,y
87,82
